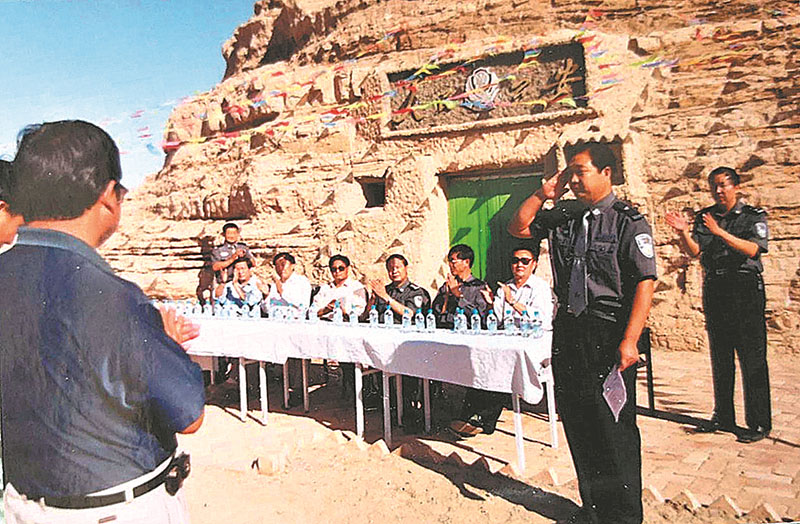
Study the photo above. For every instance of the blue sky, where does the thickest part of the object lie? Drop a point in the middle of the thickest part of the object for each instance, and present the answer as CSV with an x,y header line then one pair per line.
x,y
104,60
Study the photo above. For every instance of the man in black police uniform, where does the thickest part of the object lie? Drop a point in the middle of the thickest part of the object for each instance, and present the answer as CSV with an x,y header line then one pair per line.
x,y
461,290
730,237
604,271
224,255
401,294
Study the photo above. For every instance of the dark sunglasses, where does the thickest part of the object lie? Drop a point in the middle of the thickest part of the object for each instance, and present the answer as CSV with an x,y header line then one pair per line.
x,y
521,260
338,269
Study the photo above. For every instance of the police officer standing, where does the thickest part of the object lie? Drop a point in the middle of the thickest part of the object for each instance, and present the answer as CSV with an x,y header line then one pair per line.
x,y
729,237
604,271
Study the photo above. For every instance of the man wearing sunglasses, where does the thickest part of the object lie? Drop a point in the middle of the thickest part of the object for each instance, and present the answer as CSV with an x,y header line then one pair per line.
x,y
93,381
604,273
522,295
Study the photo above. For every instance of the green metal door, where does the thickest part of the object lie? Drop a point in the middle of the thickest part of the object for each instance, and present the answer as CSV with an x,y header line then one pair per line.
x,y
480,209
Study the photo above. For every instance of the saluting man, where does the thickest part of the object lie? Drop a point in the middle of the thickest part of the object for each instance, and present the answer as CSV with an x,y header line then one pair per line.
x,y
730,237
604,270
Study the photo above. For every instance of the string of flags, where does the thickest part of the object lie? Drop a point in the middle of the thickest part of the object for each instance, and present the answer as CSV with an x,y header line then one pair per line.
x,y
611,65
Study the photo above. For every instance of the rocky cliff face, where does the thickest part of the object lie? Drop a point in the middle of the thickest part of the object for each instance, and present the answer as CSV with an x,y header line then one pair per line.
x,y
305,120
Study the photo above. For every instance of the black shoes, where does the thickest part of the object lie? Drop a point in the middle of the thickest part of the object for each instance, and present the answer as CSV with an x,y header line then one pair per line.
x,y
714,425
749,436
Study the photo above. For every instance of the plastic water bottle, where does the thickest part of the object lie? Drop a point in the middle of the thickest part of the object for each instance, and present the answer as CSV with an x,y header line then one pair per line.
x,y
337,313
373,316
255,311
537,330
197,310
312,314
208,309
526,324
475,321
462,321
508,321
353,318
388,316
406,319
430,321
491,322
419,320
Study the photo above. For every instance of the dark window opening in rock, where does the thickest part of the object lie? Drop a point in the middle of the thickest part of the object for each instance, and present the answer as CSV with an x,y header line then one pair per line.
x,y
374,191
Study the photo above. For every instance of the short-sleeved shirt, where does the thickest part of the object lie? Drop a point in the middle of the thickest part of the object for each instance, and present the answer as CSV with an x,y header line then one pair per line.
x,y
252,294
407,293
92,388
352,295
296,292
535,294
225,252
619,249
471,299
743,221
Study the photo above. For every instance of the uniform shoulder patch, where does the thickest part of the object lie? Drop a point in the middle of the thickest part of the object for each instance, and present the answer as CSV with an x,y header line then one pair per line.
x,y
645,244
628,210
754,210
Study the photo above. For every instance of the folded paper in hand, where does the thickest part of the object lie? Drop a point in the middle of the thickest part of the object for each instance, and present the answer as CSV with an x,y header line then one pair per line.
x,y
614,392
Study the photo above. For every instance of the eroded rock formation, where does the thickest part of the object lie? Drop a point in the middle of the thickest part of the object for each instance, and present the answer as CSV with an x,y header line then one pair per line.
x,y
264,148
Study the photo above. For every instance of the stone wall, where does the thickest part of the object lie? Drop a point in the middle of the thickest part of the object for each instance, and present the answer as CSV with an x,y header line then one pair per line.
x,y
293,183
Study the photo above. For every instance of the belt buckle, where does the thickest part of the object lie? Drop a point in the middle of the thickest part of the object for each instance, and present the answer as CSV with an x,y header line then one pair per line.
x,y
720,271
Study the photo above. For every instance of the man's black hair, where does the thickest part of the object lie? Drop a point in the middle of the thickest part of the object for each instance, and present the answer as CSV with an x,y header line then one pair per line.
x,y
462,251
396,256
341,258
229,225
61,169
244,259
728,172
601,155
5,176
534,249
283,254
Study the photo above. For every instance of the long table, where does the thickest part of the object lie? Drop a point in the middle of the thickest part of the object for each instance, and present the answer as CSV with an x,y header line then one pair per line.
x,y
504,363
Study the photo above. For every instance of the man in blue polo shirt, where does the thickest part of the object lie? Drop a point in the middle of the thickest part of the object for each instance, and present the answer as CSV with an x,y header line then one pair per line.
x,y
94,384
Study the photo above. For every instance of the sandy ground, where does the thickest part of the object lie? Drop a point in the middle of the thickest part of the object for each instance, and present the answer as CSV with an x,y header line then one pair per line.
x,y
301,467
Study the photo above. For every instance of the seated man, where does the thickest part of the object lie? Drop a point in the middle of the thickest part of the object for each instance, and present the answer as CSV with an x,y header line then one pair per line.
x,y
352,298
291,290
244,289
462,289
288,289
400,294
523,294
224,256
350,293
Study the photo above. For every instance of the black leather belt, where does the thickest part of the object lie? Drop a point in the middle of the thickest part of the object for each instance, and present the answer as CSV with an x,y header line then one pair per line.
x,y
85,502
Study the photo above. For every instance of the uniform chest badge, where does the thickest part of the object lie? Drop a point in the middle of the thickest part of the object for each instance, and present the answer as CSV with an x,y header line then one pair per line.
x,y
418,301
645,244
761,230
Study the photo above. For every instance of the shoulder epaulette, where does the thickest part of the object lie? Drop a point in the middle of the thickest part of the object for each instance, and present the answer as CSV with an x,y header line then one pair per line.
x,y
413,286
708,209
627,209
754,210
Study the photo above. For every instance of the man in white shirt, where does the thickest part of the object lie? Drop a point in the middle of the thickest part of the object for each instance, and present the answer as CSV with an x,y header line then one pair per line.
x,y
524,292
292,291
288,289
352,298
351,294
521,295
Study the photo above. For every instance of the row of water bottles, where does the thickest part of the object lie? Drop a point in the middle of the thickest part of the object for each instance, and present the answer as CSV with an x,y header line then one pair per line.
x,y
529,325
189,308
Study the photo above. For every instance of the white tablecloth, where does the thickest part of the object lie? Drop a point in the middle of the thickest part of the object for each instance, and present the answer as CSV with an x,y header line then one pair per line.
x,y
508,364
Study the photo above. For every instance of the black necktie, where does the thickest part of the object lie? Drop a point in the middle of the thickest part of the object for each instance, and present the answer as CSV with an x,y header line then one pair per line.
x,y
577,300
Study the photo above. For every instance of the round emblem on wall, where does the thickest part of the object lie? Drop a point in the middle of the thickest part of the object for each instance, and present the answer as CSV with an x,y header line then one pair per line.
x,y
483,88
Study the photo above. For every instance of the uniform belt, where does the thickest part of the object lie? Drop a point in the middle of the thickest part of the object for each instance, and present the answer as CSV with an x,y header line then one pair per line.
x,y
97,501
726,271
